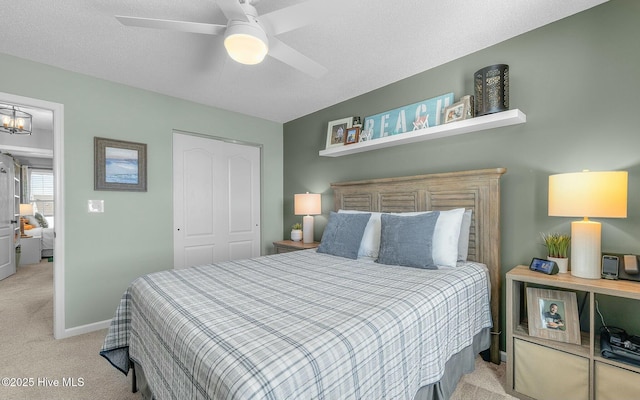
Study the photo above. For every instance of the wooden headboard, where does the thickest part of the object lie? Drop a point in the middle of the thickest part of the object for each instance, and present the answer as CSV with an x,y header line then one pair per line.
x,y
478,190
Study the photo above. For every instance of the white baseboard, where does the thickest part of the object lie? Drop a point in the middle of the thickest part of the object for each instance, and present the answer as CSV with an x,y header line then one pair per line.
x,y
503,356
80,330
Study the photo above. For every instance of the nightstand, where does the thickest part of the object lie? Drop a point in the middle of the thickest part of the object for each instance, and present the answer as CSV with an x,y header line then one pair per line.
x,y
541,368
285,246
30,250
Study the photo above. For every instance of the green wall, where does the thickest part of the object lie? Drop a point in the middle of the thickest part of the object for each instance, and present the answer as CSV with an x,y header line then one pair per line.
x,y
576,80
134,236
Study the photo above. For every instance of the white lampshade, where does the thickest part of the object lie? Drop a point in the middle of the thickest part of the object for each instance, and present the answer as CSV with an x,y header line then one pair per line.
x,y
246,42
588,194
307,204
26,209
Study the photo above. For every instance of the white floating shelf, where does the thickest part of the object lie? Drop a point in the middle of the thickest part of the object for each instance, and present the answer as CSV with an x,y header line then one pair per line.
x,y
491,121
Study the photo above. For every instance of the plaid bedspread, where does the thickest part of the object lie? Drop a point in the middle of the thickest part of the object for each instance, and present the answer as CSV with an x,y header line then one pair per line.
x,y
299,325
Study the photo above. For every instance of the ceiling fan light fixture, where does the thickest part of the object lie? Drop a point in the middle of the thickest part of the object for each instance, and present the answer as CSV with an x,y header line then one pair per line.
x,y
246,42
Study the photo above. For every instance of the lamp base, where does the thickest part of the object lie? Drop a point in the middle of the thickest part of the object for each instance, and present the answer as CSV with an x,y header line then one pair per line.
x,y
307,229
585,249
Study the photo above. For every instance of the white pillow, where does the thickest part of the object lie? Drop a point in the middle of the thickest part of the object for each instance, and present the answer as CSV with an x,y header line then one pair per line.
x,y
463,241
445,237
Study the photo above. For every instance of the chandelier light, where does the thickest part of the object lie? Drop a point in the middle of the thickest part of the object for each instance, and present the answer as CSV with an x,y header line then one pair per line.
x,y
14,121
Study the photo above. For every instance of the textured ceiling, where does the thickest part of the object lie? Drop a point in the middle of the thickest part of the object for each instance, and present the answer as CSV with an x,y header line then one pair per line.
x,y
365,44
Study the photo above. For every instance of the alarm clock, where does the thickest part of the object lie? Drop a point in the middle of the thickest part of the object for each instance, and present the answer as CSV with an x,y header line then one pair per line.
x,y
544,266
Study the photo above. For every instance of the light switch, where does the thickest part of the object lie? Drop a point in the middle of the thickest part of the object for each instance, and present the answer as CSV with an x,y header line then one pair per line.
x,y
96,206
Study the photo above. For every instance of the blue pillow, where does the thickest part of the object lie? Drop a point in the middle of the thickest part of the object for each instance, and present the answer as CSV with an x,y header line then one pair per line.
x,y
343,234
408,241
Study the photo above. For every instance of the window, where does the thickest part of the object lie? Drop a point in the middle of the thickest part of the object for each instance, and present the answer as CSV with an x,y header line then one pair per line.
x,y
41,191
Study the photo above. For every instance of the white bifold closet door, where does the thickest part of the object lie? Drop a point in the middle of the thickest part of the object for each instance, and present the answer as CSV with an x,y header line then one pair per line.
x,y
216,200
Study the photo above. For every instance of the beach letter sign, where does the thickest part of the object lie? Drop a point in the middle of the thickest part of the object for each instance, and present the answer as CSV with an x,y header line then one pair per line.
x,y
416,116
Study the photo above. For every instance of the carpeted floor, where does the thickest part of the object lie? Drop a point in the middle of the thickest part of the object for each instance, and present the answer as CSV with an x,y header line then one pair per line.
x,y
486,382
30,356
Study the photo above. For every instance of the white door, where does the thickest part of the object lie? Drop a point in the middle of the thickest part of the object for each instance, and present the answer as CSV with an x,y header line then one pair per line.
x,y
7,204
216,200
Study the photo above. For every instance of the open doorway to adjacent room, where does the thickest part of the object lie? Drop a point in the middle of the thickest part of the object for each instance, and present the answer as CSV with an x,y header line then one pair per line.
x,y
38,166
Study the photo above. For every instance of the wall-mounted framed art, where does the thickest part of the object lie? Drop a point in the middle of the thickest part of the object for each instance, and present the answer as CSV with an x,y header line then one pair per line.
x,y
119,165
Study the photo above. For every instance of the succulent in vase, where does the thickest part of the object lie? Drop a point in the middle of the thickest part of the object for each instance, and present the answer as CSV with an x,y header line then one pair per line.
x,y
296,232
557,244
557,249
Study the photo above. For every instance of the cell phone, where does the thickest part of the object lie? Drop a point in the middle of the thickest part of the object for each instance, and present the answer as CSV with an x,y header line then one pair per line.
x,y
544,266
610,266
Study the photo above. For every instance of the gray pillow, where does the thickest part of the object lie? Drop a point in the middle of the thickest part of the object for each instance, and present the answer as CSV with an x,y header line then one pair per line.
x,y
408,241
343,234
43,222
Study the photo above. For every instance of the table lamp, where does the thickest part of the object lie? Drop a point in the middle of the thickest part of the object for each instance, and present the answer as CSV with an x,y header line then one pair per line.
x,y
25,209
588,194
307,204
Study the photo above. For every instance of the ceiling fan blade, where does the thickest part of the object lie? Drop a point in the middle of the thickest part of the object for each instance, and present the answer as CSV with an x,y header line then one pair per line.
x,y
179,26
232,10
294,58
296,16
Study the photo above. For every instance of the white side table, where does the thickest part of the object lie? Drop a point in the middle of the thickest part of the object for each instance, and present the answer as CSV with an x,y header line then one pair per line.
x,y
30,250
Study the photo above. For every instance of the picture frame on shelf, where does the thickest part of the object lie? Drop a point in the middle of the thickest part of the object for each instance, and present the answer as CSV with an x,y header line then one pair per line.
x,y
353,135
337,131
119,165
455,112
468,105
553,314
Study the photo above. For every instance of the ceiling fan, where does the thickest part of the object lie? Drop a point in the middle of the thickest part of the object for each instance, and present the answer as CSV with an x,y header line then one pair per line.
x,y
248,38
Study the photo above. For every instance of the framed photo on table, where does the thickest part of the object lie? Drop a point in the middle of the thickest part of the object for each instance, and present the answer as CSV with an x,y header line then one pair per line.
x,y
553,314
337,131
119,165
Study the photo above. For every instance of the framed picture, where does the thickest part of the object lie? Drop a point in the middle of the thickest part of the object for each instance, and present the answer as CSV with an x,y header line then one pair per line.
x,y
468,106
353,134
553,314
455,112
337,131
119,165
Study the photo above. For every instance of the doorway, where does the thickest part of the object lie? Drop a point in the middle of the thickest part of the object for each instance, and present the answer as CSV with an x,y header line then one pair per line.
x,y
216,200
57,111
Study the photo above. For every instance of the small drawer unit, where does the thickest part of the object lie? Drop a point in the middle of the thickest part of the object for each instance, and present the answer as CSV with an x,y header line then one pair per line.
x,y
30,250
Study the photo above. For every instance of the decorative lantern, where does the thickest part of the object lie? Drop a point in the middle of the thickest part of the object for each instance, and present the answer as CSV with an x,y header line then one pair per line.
x,y
491,89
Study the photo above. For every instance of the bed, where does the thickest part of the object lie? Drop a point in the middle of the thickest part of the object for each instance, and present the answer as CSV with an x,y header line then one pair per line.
x,y
322,324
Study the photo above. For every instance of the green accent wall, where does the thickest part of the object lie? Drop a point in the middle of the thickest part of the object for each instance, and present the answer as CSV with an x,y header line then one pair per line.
x,y
134,236
578,82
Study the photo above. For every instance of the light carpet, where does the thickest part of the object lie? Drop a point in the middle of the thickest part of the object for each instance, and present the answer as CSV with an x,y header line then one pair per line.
x,y
34,361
